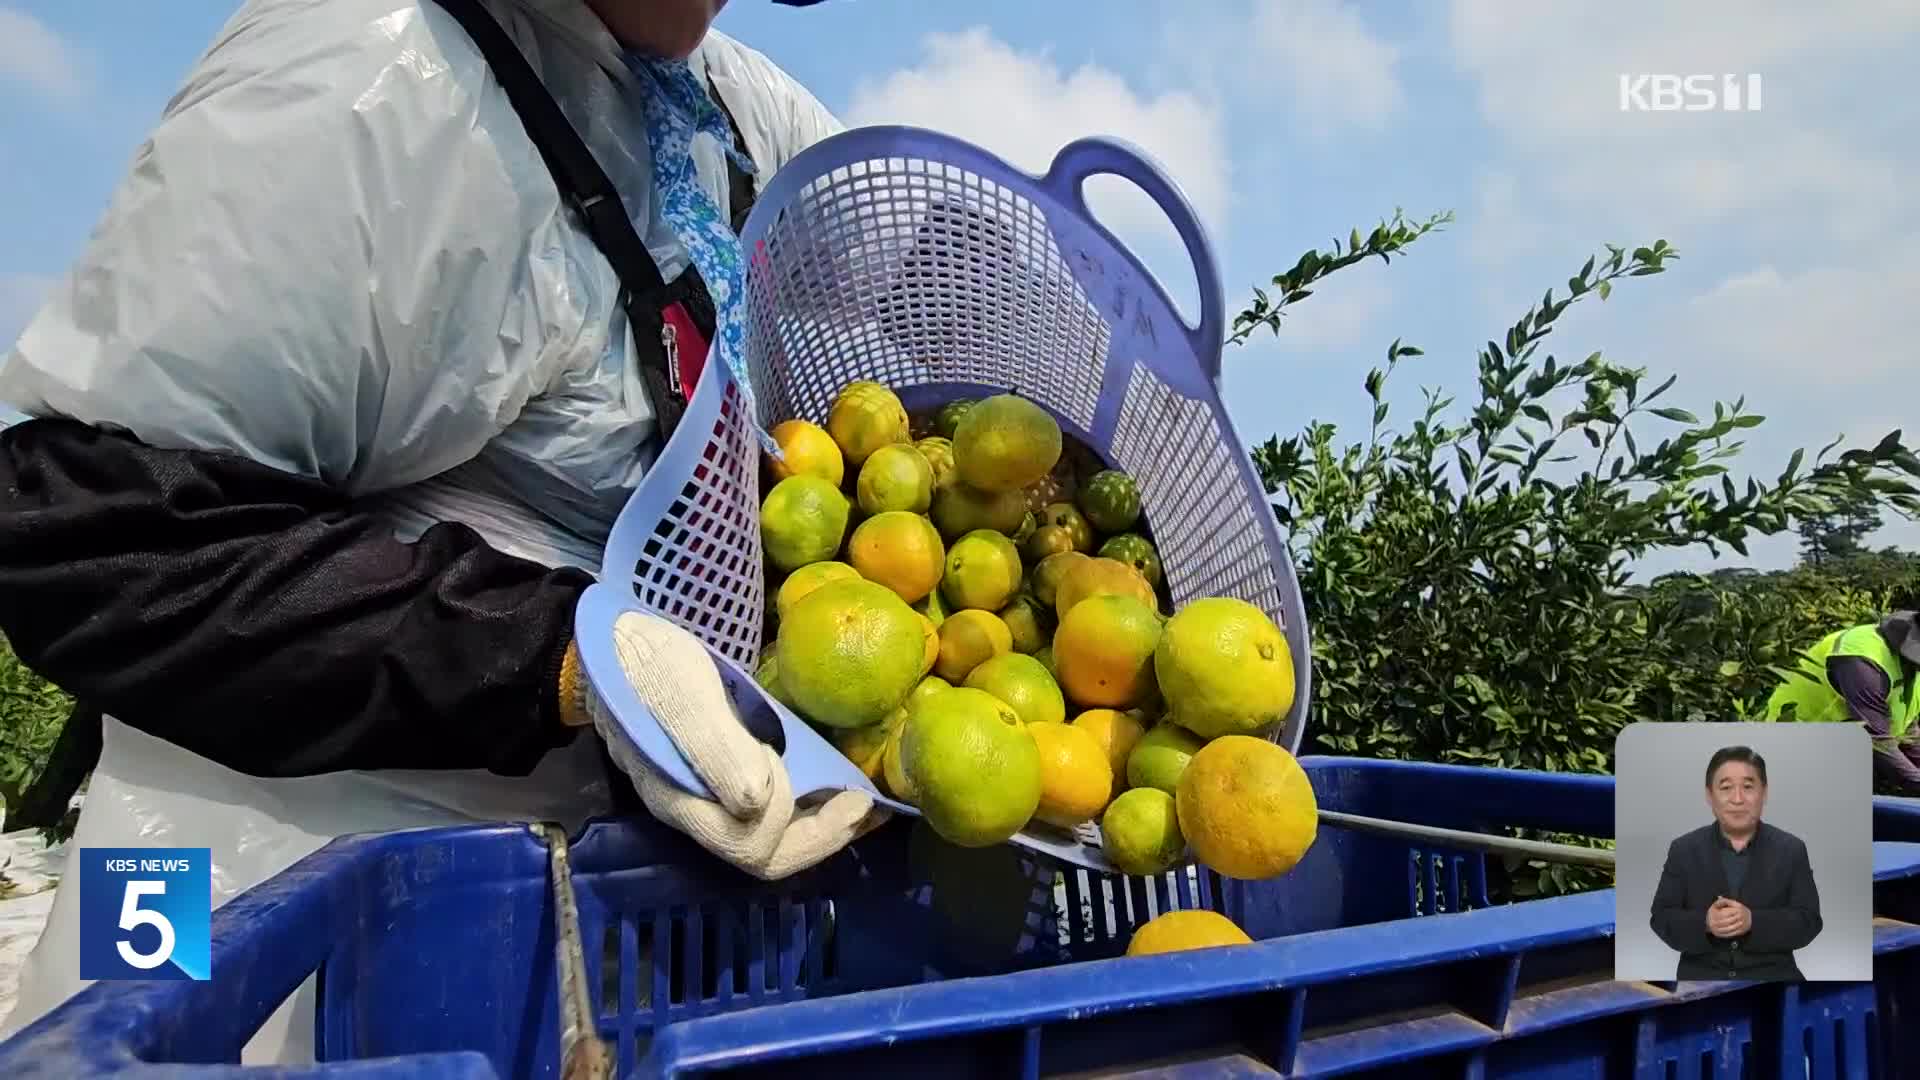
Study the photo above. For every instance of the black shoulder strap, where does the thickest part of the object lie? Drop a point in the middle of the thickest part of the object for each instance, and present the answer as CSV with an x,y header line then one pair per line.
x,y
740,193
582,183
585,187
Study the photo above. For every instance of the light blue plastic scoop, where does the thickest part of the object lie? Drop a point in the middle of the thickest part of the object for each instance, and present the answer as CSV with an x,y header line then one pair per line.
x,y
932,265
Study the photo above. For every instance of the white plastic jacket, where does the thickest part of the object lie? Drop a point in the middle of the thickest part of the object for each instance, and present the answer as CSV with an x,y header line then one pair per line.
x,y
339,255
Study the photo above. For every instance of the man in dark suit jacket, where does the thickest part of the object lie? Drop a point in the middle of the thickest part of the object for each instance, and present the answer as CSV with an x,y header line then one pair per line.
x,y
1736,897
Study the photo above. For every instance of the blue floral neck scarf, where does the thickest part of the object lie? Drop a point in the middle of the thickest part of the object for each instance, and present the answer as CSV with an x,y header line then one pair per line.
x,y
677,109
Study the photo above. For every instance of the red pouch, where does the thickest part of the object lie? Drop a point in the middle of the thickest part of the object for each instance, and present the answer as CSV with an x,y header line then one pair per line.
x,y
686,349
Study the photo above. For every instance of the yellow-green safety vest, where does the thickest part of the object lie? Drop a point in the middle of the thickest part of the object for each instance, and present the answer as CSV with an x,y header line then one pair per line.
x,y
1817,701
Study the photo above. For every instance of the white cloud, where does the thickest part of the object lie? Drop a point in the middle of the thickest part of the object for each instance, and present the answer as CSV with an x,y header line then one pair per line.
x,y
1829,331
1331,71
1315,63
1024,107
33,54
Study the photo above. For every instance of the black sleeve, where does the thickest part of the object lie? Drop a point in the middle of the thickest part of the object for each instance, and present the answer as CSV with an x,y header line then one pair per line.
x,y
252,617
1864,687
1676,918
1796,923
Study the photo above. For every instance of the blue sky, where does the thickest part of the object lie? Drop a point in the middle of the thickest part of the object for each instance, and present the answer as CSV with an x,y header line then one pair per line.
x,y
1288,122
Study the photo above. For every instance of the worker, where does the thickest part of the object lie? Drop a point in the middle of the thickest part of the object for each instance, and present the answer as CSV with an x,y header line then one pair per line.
x,y
334,413
1865,674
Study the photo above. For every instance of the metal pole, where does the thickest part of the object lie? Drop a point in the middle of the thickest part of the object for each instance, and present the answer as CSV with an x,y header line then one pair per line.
x,y
583,1055
1472,841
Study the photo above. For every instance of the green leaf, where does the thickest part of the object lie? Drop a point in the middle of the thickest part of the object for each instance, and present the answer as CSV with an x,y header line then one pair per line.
x,y
1605,289
1415,578
1678,416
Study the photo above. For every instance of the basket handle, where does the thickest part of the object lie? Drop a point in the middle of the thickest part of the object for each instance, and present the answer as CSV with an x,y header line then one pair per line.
x,y
1084,158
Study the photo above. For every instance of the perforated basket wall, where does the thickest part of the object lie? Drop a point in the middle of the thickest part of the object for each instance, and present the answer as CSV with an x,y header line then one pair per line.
x,y
691,532
928,265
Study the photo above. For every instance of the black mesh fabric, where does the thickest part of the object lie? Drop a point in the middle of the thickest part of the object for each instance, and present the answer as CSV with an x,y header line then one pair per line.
x,y
254,618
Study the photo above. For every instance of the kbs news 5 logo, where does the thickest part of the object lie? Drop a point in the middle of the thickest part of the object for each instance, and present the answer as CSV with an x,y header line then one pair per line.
x,y
145,913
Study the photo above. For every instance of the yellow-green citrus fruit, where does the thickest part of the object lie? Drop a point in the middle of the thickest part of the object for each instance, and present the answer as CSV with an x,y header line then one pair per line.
x,y
865,417
939,455
1075,779
959,510
1178,931
1140,832
900,550
1028,622
1051,571
808,450
1067,517
983,571
849,653
1005,443
1224,668
1247,808
972,766
803,520
1024,683
895,477
1104,651
808,578
968,639
1161,757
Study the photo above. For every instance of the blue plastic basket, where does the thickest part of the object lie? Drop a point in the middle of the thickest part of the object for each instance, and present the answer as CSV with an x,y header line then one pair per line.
x,y
435,958
930,265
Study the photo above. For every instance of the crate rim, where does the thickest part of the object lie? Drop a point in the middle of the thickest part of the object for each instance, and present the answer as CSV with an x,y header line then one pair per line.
x,y
109,1027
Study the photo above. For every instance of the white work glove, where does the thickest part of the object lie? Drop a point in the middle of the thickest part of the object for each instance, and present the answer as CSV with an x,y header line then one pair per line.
x,y
752,821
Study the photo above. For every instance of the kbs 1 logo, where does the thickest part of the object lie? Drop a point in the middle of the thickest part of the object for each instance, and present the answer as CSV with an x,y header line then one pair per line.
x,y
1690,93
146,913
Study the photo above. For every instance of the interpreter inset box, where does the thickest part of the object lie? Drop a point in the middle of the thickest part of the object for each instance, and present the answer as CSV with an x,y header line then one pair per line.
x,y
1743,852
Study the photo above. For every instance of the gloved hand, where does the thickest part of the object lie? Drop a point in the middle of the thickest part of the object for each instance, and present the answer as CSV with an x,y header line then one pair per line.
x,y
752,821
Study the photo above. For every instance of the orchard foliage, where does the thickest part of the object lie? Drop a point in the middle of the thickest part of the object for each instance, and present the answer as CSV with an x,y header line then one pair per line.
x,y
1467,572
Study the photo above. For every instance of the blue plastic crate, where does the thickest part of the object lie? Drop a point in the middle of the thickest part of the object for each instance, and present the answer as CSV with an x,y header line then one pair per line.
x,y
436,960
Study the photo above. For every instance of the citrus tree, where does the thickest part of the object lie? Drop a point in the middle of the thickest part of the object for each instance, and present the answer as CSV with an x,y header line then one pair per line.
x,y
1468,572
